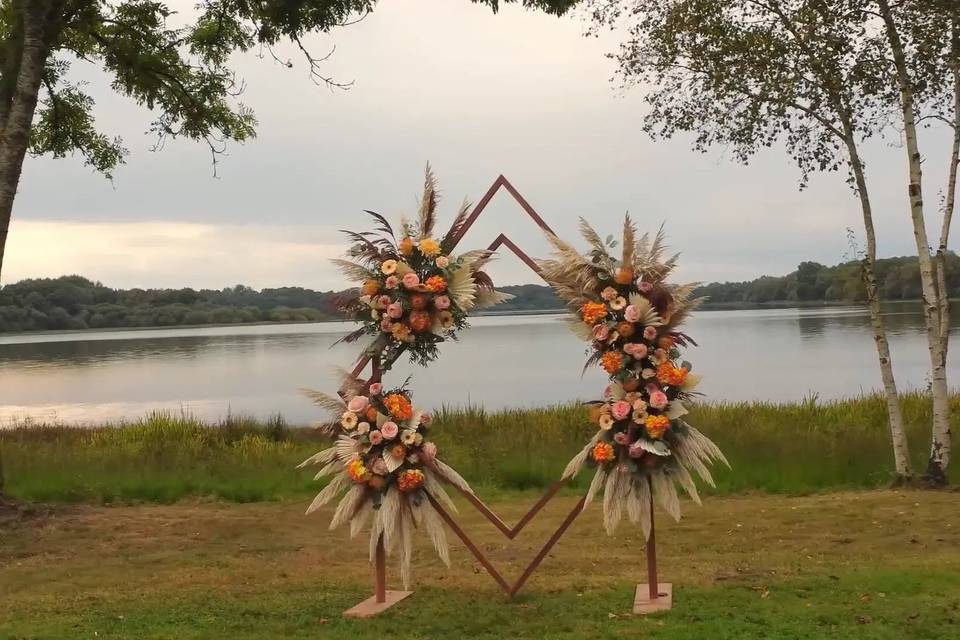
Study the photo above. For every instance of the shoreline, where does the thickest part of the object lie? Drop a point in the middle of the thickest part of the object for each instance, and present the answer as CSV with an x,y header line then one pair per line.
x,y
708,306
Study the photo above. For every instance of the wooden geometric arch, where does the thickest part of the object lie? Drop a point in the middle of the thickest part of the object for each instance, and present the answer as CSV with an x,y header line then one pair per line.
x,y
649,598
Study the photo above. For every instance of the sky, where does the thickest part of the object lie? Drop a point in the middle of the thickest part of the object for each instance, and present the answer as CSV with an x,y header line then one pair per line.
x,y
474,94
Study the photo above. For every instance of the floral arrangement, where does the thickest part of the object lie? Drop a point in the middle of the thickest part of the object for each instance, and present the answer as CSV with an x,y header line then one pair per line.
x,y
413,293
623,306
383,465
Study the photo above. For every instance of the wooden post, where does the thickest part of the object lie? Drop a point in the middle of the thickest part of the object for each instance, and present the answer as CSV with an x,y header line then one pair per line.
x,y
380,573
653,596
652,583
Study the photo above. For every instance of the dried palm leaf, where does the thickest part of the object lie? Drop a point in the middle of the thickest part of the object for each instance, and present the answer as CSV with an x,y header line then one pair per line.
x,y
576,464
428,205
456,229
360,518
433,525
629,241
321,458
329,492
348,506
595,486
452,476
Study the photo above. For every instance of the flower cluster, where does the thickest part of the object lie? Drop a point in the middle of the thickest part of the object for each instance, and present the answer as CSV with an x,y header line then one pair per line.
x,y
623,306
390,437
412,293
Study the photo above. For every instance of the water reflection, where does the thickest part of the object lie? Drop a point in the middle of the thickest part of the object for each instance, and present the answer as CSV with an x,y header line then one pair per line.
x,y
501,361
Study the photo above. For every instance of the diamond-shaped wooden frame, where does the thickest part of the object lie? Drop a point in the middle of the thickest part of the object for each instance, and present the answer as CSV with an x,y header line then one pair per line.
x,y
650,597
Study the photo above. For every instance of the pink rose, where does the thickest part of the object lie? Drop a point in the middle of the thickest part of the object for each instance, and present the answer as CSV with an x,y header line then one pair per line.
x,y
376,388
600,332
410,280
376,437
631,314
392,282
608,392
620,409
621,438
429,450
636,349
385,324
644,287
650,333
383,301
358,404
442,302
395,310
426,419
658,400
379,467
636,451
389,430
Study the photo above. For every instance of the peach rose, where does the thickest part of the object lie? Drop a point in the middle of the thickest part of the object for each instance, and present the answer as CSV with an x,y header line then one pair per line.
x,y
389,430
442,302
395,310
410,280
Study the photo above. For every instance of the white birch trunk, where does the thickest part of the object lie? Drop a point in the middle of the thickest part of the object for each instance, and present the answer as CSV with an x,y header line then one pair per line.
x,y
940,442
898,437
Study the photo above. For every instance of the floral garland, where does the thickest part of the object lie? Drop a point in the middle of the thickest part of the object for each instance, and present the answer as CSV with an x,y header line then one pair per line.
x,y
383,465
630,315
413,294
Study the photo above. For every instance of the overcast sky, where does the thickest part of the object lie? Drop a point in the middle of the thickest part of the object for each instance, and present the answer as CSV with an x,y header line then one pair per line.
x,y
475,94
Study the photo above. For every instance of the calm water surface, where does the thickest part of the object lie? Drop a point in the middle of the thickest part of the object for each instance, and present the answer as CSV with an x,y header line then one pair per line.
x,y
512,361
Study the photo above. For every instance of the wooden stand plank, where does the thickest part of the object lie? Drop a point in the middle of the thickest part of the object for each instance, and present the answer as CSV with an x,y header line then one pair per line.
x,y
371,607
643,603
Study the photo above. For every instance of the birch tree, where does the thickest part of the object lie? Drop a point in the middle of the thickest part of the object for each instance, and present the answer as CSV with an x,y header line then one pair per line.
x,y
924,56
749,74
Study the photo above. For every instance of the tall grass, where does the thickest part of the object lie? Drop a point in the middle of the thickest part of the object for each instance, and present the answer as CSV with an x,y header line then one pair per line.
x,y
785,448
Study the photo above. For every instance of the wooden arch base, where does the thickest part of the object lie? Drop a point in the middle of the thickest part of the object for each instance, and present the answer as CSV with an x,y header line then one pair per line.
x,y
651,597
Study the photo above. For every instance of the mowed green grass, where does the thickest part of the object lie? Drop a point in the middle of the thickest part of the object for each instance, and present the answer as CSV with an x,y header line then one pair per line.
x,y
865,565
781,448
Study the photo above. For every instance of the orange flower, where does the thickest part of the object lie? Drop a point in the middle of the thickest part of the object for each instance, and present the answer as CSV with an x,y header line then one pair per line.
x,y
671,375
400,332
666,343
593,312
398,452
603,452
399,406
436,284
429,247
357,471
657,426
420,321
406,246
370,288
371,413
419,300
612,362
625,329
623,276
410,480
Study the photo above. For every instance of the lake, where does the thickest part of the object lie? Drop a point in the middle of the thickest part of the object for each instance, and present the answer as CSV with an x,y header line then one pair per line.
x,y
501,361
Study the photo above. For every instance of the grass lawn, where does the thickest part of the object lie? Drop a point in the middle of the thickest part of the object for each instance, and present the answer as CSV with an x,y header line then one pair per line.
x,y
878,564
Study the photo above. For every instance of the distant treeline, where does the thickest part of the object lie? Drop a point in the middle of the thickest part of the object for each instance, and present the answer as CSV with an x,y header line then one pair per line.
x,y
897,279
74,302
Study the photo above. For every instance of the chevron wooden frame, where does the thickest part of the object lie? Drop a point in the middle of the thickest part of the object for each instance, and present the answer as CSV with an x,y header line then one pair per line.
x,y
651,597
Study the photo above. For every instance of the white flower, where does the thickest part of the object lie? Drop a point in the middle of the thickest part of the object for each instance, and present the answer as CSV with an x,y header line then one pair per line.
x,y
413,458
418,440
618,304
363,427
348,420
646,374
408,436
606,422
